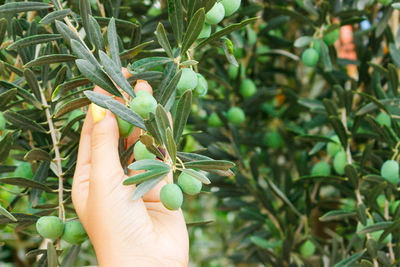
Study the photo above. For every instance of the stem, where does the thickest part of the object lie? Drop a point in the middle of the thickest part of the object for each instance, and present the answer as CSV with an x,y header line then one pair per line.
x,y
57,158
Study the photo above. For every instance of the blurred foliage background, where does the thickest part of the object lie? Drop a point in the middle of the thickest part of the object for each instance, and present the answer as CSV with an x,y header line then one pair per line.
x,y
309,188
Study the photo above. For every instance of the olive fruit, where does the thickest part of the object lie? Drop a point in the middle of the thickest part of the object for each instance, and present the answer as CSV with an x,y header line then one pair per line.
x,y
206,31
140,151
143,104
188,80
272,139
230,6
322,168
202,86
339,162
307,249
236,115
74,233
171,196
384,119
390,171
233,71
310,57
247,88
214,120
124,128
333,147
50,227
215,14
189,184
331,37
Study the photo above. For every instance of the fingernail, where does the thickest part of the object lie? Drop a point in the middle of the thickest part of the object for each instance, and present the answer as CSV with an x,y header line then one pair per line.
x,y
98,113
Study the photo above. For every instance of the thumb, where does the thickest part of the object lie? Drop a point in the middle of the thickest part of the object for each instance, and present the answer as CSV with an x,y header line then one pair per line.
x,y
106,171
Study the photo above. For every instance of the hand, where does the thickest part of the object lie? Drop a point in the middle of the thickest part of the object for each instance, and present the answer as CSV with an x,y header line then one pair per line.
x,y
123,232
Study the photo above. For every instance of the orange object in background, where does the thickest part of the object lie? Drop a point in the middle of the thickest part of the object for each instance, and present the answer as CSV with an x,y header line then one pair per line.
x,y
346,49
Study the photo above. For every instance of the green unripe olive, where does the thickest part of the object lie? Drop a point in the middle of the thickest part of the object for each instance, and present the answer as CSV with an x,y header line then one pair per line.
x,y
381,199
230,6
171,196
124,128
339,162
140,151
390,171
310,57
236,115
307,249
206,31
202,86
273,139
393,206
74,233
333,147
322,168
233,71
188,80
143,104
331,37
384,119
215,14
248,88
50,227
23,170
214,120
2,122
189,184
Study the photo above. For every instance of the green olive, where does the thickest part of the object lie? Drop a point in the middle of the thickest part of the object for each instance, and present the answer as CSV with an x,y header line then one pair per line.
x,y
215,14
74,233
171,196
140,151
236,115
50,227
248,88
189,184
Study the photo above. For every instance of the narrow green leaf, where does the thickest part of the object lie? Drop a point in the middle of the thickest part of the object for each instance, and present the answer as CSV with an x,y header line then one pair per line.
x,y
16,7
163,39
182,114
49,59
303,41
97,76
55,15
170,89
37,154
11,67
7,96
23,122
113,42
34,40
51,255
133,52
148,141
19,181
145,176
383,22
145,187
7,214
21,218
125,113
148,164
60,77
71,105
66,32
116,74
193,31
85,11
32,82
350,260
3,29
69,85
394,54
70,258
83,53
98,98
325,57
282,196
148,63
162,122
189,63
210,164
95,34
198,175
225,31
175,17
171,145
40,176
335,215
375,227
151,126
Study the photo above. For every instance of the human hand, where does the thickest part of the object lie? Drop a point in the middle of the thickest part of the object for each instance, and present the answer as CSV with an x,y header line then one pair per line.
x,y
123,232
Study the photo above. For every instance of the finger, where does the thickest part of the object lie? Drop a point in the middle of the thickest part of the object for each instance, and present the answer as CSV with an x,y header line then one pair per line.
x,y
142,85
80,182
154,194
